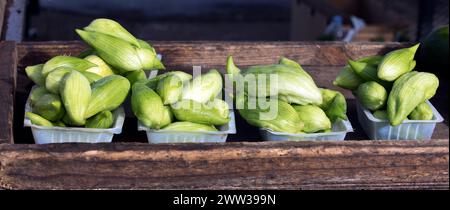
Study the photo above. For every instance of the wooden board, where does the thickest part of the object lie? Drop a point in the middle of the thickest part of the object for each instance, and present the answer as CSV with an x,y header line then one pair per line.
x,y
7,87
213,54
127,164
2,14
301,165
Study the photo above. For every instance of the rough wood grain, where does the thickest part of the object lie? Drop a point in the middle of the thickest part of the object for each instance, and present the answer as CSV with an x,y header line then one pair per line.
x,y
7,83
211,54
301,165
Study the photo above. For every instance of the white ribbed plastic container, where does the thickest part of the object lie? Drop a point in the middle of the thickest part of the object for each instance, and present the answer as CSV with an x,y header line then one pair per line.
x,y
339,131
48,135
378,129
162,136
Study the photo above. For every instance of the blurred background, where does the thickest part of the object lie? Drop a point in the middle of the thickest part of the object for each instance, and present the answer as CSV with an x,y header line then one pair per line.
x,y
252,20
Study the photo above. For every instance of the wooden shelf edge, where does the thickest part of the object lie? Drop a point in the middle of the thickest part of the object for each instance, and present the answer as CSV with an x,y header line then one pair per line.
x,y
243,165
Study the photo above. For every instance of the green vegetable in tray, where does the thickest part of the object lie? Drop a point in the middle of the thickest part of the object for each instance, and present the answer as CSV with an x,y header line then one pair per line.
x,y
372,95
422,112
408,92
212,113
189,127
397,63
294,85
313,118
103,119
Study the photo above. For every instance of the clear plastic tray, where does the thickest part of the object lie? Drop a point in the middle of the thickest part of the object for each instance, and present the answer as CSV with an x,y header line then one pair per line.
x,y
48,135
378,129
339,131
162,136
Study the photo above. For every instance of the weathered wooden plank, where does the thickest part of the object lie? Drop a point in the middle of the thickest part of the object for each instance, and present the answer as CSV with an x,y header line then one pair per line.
x,y
2,14
290,165
7,83
209,54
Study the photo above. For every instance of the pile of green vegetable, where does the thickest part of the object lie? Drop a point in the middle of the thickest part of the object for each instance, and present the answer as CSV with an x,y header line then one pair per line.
x,y
83,90
177,102
388,86
301,106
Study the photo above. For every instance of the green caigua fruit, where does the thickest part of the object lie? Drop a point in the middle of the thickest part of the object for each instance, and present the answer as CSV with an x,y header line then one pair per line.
x,y
153,82
112,28
283,118
38,120
410,90
135,76
170,88
59,124
289,62
92,77
144,44
397,63
50,107
189,127
327,97
381,114
121,54
36,94
313,118
337,108
334,105
66,61
423,111
35,74
108,93
368,73
204,87
75,92
373,60
212,113
294,85
66,119
372,95
147,106
413,65
104,119
348,79
182,75
102,68
53,79
167,117
86,53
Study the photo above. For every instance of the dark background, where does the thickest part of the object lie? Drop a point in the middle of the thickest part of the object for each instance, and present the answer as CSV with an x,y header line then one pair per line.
x,y
387,20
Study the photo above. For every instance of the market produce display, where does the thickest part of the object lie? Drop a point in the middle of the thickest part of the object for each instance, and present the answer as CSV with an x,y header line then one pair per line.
x,y
177,102
302,107
83,91
389,85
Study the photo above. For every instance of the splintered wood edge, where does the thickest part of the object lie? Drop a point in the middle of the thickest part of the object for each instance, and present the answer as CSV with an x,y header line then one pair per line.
x,y
263,165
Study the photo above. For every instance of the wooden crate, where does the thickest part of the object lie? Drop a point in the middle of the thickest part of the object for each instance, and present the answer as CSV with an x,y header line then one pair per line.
x,y
130,163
